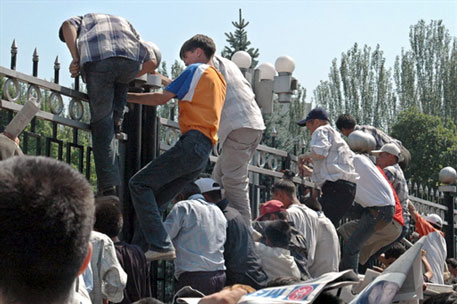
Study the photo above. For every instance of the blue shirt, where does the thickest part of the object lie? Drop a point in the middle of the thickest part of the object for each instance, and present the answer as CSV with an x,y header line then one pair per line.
x,y
198,232
102,36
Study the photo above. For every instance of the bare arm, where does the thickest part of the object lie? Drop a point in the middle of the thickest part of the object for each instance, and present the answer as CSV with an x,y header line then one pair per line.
x,y
151,99
148,67
70,35
412,210
428,269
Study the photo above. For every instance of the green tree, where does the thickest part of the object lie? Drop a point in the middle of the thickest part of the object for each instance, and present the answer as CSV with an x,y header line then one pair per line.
x,y
425,76
432,143
361,85
238,41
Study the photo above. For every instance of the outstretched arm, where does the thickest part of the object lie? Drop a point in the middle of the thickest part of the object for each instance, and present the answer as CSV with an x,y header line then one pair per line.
x,y
151,99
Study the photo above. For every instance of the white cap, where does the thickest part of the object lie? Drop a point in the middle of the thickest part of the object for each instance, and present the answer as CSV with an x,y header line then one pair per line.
x,y
207,185
390,148
434,219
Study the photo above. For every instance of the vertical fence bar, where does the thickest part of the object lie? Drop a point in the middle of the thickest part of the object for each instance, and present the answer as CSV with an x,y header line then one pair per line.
x,y
13,55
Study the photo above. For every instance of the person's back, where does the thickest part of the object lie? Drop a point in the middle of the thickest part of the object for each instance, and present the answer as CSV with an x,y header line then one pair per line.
x,y
44,231
274,253
327,254
306,221
241,259
109,277
198,232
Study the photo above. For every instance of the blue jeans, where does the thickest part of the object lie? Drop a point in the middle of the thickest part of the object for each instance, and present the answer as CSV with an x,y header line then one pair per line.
x,y
372,218
107,86
160,181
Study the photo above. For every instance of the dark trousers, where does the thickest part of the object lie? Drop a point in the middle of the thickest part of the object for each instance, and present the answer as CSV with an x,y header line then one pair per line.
x,y
206,282
336,199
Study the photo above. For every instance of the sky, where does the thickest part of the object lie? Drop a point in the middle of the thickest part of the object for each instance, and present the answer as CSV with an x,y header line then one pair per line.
x,y
312,32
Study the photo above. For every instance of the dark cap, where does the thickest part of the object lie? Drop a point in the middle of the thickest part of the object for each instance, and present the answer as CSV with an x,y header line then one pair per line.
x,y
316,113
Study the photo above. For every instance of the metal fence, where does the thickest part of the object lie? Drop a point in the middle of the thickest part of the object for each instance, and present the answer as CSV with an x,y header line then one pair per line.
x,y
61,130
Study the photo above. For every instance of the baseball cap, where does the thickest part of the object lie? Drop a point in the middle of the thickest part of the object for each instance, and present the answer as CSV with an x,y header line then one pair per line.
x,y
434,219
207,184
316,113
270,207
390,148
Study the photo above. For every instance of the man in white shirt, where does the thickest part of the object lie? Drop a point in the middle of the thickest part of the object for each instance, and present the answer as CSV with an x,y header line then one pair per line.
x,y
197,229
305,220
333,170
240,132
375,195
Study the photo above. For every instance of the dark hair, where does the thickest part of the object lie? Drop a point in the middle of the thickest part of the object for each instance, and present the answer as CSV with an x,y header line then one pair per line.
x,y
215,195
189,190
148,301
312,203
395,251
442,298
278,233
452,262
46,216
199,41
282,281
345,121
281,215
285,185
108,219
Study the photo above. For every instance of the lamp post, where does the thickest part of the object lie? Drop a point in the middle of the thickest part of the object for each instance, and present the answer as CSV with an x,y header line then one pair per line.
x,y
274,133
265,81
448,177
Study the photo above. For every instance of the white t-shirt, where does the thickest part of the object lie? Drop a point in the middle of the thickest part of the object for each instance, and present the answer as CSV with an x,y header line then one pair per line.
x,y
277,262
306,222
327,255
435,245
373,190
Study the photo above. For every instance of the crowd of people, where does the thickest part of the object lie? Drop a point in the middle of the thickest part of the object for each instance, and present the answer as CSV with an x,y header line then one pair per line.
x,y
62,245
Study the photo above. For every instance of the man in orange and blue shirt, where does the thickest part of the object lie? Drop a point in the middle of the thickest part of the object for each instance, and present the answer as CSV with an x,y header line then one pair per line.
x,y
200,89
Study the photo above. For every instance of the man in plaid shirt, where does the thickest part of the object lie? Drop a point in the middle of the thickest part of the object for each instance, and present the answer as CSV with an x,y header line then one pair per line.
x,y
108,53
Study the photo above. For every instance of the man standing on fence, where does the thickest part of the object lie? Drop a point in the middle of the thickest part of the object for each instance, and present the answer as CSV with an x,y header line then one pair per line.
x,y
240,132
200,89
333,168
108,52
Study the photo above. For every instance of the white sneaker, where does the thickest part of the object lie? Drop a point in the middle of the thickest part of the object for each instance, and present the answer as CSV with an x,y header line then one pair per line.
x,y
152,255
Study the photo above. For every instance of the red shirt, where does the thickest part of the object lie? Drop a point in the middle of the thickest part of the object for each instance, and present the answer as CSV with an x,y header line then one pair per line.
x,y
398,216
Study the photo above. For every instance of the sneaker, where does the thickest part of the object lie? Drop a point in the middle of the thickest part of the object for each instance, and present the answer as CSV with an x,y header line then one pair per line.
x,y
152,255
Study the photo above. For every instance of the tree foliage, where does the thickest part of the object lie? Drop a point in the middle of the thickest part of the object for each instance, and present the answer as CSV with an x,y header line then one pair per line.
x,y
238,41
360,84
426,75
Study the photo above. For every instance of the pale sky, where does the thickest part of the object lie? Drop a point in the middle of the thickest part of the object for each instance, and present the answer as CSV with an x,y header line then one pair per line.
x,y
312,32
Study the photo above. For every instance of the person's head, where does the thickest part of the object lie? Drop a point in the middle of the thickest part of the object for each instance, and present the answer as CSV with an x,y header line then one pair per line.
x,y
108,219
435,220
46,216
346,124
388,155
312,203
210,189
272,210
277,234
284,190
393,253
154,50
188,190
442,298
452,265
316,117
148,301
198,49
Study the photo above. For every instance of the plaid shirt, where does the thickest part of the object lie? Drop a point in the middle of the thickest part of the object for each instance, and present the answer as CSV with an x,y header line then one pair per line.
x,y
103,36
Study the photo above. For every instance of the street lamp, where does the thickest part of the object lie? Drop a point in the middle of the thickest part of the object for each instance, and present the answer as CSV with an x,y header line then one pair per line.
x,y
274,133
264,80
